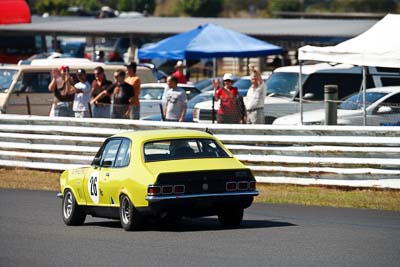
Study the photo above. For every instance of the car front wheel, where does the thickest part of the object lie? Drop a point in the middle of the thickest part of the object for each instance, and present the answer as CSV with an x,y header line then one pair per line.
x,y
129,216
72,213
230,217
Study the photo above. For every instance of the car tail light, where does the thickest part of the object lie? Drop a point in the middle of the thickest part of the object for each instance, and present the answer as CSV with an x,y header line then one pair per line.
x,y
153,190
243,185
166,189
252,185
195,113
231,186
179,189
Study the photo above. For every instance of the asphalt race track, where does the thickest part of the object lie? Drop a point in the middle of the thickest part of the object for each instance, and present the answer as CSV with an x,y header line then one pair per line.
x,y
32,233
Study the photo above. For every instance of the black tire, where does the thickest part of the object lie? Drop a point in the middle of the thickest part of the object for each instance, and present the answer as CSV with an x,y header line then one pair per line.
x,y
230,217
129,216
72,213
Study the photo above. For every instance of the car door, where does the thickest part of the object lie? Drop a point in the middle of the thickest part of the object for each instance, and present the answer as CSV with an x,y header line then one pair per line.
x,y
97,184
386,117
150,100
31,94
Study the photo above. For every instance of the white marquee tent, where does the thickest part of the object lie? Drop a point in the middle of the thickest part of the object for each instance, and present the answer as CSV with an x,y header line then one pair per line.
x,y
379,46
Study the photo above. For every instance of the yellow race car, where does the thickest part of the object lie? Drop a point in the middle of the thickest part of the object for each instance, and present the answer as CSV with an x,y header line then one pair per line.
x,y
161,175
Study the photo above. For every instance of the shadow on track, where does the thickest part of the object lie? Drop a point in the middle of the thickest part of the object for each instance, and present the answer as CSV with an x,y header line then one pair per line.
x,y
195,225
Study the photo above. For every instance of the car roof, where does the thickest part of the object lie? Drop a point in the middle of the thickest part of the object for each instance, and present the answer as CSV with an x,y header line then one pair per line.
x,y
158,85
386,89
264,77
149,135
321,67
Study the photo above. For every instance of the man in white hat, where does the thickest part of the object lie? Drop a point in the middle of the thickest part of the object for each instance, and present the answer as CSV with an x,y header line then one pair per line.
x,y
179,72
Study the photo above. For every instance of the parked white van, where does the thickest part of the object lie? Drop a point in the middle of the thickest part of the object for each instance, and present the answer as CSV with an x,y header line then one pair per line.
x,y
24,88
283,90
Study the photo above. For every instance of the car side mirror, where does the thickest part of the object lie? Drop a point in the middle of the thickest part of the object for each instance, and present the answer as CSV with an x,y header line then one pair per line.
x,y
384,110
308,96
96,162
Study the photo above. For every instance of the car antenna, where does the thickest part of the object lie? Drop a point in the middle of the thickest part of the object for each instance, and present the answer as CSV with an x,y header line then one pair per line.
x,y
208,131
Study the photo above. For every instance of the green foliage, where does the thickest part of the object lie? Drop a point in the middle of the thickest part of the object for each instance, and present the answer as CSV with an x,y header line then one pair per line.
x,y
53,7
373,6
200,8
137,5
125,5
142,5
287,5
88,4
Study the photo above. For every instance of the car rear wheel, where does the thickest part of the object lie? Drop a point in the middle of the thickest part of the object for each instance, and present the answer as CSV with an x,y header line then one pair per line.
x,y
230,217
129,216
72,213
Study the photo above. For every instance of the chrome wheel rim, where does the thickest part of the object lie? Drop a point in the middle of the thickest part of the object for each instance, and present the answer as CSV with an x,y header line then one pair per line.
x,y
125,211
68,199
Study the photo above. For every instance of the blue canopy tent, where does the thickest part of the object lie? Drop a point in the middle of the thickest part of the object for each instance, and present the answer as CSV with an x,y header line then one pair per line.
x,y
208,41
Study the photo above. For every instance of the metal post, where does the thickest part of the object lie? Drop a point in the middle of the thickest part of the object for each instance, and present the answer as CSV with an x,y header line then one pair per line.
x,y
330,96
301,92
215,71
28,105
94,48
54,41
364,86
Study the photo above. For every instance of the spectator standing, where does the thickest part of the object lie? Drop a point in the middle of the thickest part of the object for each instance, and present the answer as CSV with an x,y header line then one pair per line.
x,y
63,91
134,81
255,98
179,72
82,95
229,109
121,94
174,101
101,107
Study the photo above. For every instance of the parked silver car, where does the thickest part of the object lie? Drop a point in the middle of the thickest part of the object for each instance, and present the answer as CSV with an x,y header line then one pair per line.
x,y
382,109
151,95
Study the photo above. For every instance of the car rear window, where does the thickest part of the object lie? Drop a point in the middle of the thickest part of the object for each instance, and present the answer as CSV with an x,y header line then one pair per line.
x,y
174,149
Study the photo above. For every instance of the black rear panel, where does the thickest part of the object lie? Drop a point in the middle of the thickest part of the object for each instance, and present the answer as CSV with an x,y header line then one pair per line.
x,y
199,182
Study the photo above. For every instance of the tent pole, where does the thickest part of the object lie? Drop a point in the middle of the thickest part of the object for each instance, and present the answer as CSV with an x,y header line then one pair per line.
x,y
301,92
214,67
364,86
94,48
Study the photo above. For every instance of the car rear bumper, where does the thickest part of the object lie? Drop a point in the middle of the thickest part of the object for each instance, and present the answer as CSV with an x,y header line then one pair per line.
x,y
198,205
194,196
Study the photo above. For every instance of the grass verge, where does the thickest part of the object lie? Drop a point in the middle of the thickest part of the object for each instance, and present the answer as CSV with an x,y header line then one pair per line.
x,y
269,193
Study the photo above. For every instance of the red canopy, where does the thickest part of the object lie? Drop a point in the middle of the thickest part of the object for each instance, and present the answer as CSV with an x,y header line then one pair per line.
x,y
14,11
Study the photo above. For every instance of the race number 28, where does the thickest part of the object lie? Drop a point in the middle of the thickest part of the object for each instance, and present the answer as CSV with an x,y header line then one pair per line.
x,y
93,187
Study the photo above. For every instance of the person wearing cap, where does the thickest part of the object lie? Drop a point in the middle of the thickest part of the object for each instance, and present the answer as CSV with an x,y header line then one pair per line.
x,y
229,109
101,109
134,81
179,72
63,91
82,95
255,98
174,101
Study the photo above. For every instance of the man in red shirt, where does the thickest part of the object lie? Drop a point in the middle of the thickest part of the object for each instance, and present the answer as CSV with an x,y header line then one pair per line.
x,y
179,72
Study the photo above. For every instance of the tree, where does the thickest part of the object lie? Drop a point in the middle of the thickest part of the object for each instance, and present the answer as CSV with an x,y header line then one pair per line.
x,y
372,6
125,5
287,5
201,8
53,7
